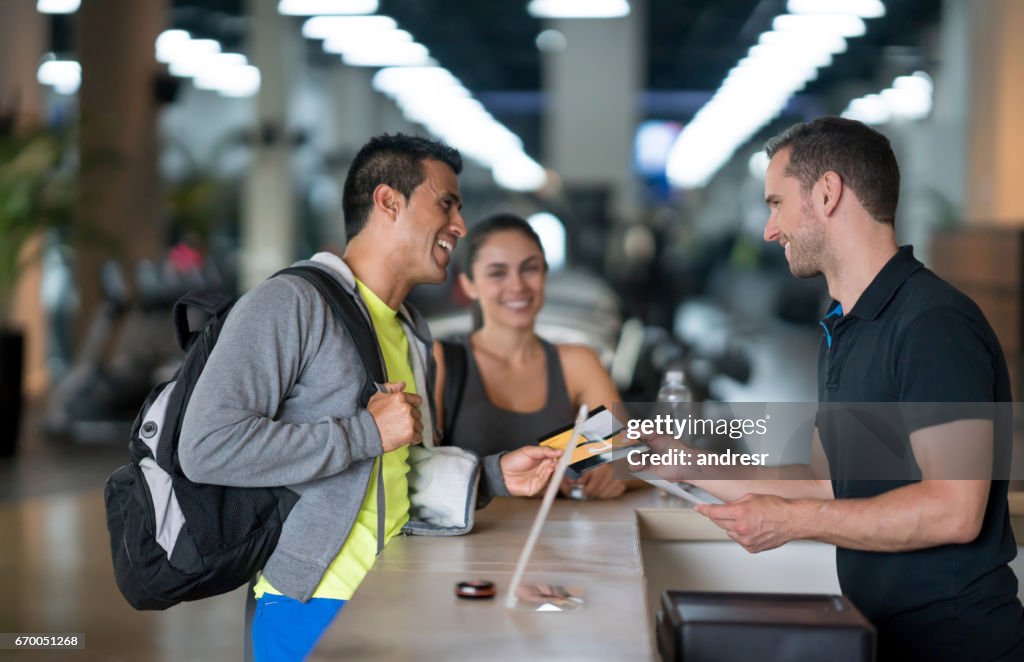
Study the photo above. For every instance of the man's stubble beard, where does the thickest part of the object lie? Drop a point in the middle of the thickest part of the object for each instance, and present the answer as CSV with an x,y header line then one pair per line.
x,y
808,247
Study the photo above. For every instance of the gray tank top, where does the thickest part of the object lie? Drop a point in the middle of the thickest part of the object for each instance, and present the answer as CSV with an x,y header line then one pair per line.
x,y
487,429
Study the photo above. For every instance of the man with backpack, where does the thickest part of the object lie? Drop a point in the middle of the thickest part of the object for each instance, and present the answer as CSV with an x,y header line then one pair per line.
x,y
279,401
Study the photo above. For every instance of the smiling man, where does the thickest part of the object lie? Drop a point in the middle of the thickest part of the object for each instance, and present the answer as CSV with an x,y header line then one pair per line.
x,y
278,402
923,556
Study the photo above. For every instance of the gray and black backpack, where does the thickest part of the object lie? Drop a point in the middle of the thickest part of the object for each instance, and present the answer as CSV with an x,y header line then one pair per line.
x,y
172,539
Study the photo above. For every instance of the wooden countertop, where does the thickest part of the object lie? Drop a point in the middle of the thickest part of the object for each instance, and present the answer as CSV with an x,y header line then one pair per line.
x,y
406,607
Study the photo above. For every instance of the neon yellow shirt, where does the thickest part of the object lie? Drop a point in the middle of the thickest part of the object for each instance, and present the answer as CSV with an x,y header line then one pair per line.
x,y
359,552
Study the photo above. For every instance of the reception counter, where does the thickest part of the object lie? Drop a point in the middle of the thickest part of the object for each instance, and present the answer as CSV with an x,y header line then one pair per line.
x,y
623,553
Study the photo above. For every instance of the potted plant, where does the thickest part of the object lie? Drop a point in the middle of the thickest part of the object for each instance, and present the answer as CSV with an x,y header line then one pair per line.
x,y
35,194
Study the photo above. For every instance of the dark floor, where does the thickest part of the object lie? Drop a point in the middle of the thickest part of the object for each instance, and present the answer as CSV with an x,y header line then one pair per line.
x,y
56,569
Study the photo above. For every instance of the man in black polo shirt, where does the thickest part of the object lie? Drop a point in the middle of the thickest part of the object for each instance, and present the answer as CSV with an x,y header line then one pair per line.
x,y
925,556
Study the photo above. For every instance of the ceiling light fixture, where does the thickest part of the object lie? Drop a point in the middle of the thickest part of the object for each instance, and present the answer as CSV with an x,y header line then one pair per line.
x,y
831,43
427,94
58,6
193,57
578,8
171,44
861,8
844,25
410,54
760,86
339,27
356,40
909,98
65,76
218,68
432,97
229,74
326,7
519,172
244,82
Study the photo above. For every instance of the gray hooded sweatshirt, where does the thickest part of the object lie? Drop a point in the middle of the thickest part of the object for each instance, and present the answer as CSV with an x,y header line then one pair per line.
x,y
277,405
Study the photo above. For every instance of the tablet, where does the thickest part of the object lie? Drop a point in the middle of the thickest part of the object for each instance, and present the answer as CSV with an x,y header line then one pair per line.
x,y
682,490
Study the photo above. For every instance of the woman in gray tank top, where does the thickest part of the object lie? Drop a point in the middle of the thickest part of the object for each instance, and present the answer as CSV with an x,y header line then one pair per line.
x,y
518,387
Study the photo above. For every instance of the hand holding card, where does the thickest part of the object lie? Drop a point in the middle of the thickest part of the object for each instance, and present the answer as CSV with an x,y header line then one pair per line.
x,y
601,442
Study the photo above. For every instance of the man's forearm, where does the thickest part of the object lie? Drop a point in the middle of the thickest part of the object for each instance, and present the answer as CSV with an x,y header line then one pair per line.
x,y
908,518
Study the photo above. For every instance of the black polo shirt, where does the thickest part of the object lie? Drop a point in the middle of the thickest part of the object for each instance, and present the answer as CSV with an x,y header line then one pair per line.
x,y
913,338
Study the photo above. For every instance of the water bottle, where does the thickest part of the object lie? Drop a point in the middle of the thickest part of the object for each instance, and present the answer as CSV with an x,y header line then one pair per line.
x,y
673,395
674,400
673,390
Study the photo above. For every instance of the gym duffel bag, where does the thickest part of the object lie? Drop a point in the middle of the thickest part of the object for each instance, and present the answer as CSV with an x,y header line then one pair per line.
x,y
171,539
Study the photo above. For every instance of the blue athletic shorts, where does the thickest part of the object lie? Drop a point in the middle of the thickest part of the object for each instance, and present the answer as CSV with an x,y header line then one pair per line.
x,y
286,630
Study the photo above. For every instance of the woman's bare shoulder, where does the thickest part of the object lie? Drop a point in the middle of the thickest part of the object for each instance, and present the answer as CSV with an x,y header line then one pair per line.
x,y
578,359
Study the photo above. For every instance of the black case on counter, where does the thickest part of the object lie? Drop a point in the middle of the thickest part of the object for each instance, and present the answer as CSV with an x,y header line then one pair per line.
x,y
768,627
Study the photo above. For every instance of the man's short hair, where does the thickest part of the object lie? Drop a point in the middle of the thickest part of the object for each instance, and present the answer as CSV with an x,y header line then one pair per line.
x,y
861,156
395,160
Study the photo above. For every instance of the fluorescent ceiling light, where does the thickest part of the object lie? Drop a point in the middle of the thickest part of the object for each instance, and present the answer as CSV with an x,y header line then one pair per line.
x,y
578,8
844,25
58,6
362,40
757,89
431,110
870,109
918,81
172,44
795,53
829,42
909,98
190,60
861,8
435,99
65,76
416,97
320,7
395,81
907,104
324,27
219,68
518,172
387,55
244,82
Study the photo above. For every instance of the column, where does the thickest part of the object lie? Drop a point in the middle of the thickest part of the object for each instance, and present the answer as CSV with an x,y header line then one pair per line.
x,y
995,167
354,113
591,115
119,198
268,204
23,41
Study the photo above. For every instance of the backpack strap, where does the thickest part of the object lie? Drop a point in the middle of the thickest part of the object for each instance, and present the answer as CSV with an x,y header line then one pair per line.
x,y
454,385
348,313
193,310
351,317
